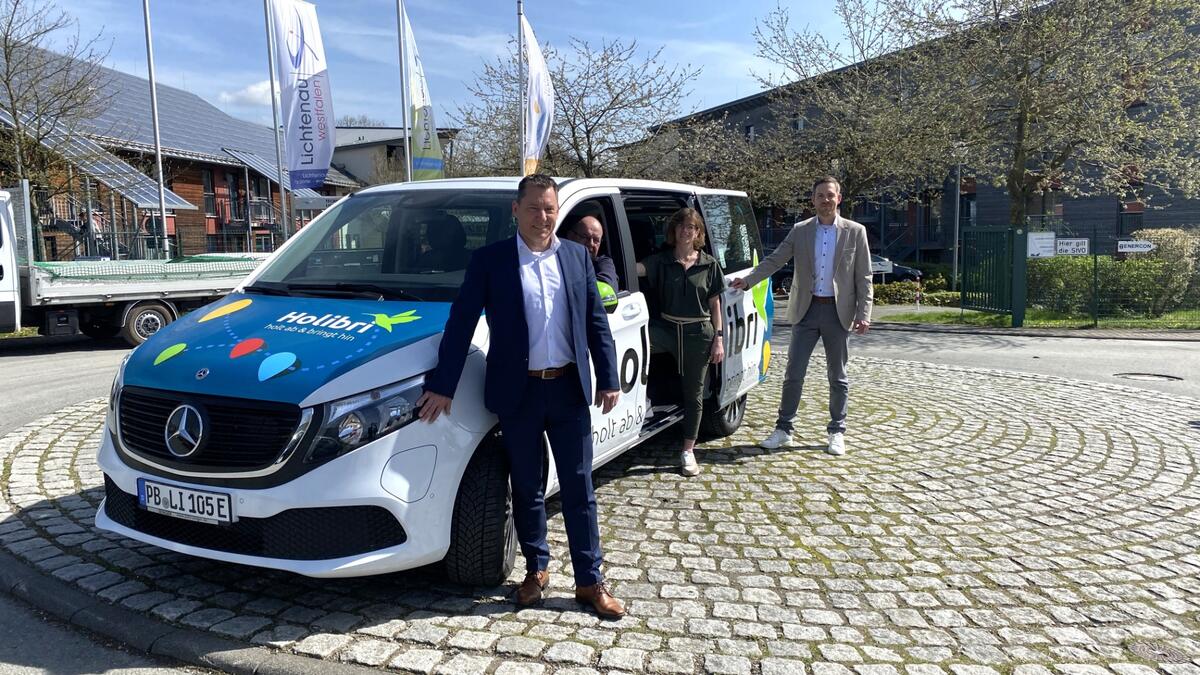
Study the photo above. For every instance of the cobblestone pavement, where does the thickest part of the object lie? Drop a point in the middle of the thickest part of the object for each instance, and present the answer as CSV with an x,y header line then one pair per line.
x,y
983,521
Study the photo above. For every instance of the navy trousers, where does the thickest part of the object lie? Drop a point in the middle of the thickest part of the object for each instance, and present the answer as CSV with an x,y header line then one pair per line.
x,y
556,407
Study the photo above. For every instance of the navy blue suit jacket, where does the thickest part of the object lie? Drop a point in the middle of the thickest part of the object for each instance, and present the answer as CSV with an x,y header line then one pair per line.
x,y
493,285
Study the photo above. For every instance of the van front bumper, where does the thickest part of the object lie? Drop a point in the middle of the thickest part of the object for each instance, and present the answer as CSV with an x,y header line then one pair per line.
x,y
382,508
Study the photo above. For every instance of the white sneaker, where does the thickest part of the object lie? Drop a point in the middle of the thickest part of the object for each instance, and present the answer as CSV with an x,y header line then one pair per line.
x,y
777,438
837,444
687,463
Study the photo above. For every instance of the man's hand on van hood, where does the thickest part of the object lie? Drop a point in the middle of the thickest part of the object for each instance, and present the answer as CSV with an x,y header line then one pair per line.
x,y
280,348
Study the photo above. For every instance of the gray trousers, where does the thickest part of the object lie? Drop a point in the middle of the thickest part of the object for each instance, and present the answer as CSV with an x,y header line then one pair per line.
x,y
821,321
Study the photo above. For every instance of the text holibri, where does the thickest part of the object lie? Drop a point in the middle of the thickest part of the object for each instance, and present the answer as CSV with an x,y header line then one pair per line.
x,y
331,321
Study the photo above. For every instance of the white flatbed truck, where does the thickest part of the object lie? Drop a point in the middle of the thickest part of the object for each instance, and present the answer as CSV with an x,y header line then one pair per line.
x,y
102,299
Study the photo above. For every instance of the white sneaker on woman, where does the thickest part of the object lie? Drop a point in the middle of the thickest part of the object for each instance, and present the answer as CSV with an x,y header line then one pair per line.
x,y
778,438
687,463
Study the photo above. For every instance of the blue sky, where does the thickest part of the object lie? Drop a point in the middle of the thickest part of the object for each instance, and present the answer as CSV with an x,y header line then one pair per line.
x,y
217,48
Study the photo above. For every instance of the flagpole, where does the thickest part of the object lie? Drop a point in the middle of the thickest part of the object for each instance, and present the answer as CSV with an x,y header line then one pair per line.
x,y
521,97
164,243
404,104
284,213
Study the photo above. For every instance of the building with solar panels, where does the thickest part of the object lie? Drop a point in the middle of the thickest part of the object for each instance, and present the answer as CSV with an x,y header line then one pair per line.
x,y
220,172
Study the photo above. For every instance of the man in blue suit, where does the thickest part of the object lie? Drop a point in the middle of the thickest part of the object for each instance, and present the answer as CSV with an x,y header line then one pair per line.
x,y
544,316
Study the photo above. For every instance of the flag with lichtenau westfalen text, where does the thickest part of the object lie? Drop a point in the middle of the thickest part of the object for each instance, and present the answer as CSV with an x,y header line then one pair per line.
x,y
304,91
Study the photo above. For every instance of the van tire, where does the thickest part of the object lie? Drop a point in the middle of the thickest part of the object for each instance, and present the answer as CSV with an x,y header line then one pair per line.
x,y
143,321
483,541
719,423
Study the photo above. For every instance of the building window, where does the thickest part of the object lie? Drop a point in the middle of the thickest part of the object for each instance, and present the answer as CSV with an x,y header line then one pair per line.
x,y
210,198
50,247
750,132
797,122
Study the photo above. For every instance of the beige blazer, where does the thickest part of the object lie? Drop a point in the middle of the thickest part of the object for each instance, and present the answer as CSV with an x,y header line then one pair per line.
x,y
852,290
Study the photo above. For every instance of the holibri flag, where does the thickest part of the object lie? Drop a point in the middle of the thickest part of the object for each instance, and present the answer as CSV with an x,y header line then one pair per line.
x,y
305,96
426,148
539,101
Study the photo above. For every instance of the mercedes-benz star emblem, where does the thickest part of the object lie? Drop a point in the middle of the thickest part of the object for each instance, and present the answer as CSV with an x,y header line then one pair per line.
x,y
202,373
185,431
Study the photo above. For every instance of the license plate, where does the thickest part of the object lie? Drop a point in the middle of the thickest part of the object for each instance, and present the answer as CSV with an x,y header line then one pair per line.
x,y
172,500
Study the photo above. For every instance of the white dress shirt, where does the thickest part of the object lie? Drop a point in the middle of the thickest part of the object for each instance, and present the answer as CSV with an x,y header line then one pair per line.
x,y
546,311
823,263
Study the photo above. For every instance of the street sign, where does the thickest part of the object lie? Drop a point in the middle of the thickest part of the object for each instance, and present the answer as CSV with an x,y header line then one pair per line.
x,y
884,266
1041,245
1135,246
1076,246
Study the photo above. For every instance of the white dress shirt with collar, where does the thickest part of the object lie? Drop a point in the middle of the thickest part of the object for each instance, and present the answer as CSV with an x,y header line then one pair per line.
x,y
546,311
823,262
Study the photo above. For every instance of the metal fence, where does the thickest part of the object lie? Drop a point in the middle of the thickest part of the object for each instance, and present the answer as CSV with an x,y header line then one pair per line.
x,y
987,269
1144,278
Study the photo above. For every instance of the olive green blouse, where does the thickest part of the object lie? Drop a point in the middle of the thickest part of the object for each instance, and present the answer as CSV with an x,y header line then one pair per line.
x,y
679,292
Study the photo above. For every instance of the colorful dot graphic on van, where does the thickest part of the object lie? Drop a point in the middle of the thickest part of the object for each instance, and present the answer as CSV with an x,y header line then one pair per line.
x,y
247,346
169,352
275,365
224,310
386,321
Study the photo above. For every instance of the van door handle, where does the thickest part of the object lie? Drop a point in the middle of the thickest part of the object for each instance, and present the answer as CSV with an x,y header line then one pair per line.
x,y
630,311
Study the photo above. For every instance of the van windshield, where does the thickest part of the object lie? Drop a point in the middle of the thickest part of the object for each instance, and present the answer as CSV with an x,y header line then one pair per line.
x,y
410,244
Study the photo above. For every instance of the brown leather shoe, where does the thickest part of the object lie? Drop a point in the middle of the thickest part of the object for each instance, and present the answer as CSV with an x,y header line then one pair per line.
x,y
529,593
599,597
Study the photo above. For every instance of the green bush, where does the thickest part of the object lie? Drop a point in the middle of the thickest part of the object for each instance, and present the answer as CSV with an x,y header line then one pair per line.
x,y
941,298
1178,250
1131,287
934,283
896,293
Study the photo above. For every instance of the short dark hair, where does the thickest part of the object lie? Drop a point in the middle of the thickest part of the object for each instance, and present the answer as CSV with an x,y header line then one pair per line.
x,y
536,180
686,216
828,179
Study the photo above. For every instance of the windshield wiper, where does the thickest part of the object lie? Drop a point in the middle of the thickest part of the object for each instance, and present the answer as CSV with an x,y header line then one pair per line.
x,y
262,288
356,289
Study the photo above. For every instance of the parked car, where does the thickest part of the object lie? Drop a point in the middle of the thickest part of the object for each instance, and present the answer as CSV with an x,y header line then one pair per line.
x,y
884,270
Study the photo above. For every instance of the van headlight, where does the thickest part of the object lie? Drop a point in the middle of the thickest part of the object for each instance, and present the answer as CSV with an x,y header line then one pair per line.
x,y
360,419
113,393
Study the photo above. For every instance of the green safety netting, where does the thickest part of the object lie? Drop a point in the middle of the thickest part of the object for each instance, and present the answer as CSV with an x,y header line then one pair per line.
x,y
185,267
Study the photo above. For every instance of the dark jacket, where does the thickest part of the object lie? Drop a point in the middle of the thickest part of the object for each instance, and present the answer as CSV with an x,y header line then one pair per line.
x,y
493,285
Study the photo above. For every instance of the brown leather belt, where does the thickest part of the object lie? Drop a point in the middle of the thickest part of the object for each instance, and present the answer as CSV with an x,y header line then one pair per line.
x,y
822,299
552,373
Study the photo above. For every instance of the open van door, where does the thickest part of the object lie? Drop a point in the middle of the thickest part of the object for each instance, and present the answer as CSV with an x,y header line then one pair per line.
x,y
10,275
733,235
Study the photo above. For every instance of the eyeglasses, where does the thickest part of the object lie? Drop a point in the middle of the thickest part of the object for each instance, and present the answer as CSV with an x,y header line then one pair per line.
x,y
584,238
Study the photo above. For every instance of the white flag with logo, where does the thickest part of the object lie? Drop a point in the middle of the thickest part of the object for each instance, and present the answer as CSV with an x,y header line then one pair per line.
x,y
426,148
305,95
539,101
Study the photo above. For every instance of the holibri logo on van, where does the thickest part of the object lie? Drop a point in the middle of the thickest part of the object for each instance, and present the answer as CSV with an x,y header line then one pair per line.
x,y
386,321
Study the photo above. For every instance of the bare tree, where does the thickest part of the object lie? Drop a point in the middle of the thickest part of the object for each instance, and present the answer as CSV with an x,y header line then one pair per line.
x,y
44,96
607,98
1085,97
360,121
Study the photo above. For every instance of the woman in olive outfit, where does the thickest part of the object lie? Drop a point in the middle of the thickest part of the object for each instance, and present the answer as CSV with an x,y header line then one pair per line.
x,y
687,282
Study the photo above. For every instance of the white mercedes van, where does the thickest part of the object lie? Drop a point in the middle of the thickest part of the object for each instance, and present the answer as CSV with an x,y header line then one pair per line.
x,y
277,428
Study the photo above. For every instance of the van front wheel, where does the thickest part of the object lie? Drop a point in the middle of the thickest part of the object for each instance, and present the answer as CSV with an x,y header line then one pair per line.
x,y
721,422
483,542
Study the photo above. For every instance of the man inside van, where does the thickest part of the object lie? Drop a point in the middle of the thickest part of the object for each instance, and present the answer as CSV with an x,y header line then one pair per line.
x,y
588,232
831,295
544,316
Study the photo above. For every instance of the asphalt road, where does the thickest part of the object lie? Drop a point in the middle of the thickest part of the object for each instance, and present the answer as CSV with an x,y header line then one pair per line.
x,y
37,378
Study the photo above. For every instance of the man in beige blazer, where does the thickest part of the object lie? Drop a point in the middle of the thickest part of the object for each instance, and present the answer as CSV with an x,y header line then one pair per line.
x,y
831,295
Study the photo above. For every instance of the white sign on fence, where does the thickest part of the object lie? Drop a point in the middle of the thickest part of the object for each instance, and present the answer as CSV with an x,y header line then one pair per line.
x,y
1041,245
1135,246
1077,246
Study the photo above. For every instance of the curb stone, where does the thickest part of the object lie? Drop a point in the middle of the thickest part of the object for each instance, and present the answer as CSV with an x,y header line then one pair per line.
x,y
192,647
